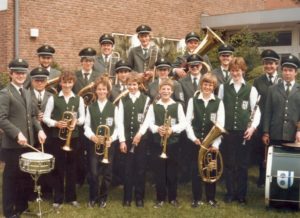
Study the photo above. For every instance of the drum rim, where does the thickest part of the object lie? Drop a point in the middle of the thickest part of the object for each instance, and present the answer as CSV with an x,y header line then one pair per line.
x,y
268,175
35,155
292,145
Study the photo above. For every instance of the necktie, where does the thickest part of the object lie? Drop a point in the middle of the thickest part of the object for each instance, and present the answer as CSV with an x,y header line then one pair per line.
x,y
287,91
22,94
195,83
40,100
226,75
86,78
106,60
145,52
270,80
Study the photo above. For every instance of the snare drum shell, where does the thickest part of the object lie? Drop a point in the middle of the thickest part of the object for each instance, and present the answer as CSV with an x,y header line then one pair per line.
x,y
282,177
36,163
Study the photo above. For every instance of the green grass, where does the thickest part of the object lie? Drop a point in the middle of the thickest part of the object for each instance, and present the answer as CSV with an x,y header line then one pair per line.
x,y
254,208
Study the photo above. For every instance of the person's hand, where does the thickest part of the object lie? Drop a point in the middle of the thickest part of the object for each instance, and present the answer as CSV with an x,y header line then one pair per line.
x,y
123,147
61,124
42,137
137,139
266,139
180,72
108,142
22,140
298,137
248,133
197,142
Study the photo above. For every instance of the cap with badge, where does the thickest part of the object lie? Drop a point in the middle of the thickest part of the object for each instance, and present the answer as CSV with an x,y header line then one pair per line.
x,y
107,39
194,59
39,73
162,63
18,65
143,29
45,50
87,53
269,54
290,61
225,49
122,65
192,36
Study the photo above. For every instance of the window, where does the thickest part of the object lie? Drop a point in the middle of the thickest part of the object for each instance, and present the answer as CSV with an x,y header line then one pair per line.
x,y
283,38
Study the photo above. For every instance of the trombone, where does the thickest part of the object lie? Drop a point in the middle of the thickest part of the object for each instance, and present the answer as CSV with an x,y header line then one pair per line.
x,y
102,140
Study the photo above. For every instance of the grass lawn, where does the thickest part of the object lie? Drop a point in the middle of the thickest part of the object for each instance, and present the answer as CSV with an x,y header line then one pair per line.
x,y
254,208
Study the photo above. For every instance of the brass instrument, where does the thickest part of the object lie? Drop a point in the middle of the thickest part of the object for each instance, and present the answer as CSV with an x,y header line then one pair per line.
x,y
164,139
149,63
87,93
210,162
115,57
66,133
121,95
50,85
102,139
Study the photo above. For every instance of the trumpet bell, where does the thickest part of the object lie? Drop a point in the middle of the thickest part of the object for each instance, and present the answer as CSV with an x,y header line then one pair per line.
x,y
66,148
163,156
105,161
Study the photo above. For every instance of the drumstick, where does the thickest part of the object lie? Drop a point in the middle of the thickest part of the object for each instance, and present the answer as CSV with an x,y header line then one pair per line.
x,y
42,145
33,148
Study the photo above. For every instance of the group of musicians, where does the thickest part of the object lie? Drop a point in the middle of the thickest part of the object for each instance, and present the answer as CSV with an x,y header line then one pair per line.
x,y
113,133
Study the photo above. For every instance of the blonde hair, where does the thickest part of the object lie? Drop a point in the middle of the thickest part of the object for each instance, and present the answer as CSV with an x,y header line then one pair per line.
x,y
237,63
167,82
209,77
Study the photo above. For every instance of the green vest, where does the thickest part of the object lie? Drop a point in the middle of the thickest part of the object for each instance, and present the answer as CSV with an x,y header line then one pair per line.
x,y
106,117
237,107
159,113
60,106
204,117
133,115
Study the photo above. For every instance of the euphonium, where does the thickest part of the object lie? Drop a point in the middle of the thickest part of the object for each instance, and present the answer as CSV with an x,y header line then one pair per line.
x,y
102,139
164,139
210,162
66,133
50,85
87,93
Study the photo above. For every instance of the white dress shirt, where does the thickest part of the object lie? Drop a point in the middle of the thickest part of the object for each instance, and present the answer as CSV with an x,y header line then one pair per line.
x,y
220,119
50,106
88,73
39,94
88,132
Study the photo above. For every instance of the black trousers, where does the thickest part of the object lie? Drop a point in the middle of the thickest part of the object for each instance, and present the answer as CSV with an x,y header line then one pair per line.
x,y
17,185
166,172
64,173
135,165
210,188
98,191
236,158
259,152
118,167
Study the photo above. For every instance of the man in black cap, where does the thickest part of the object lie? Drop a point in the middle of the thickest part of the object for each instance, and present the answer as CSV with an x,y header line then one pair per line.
x,y
192,41
163,67
143,57
19,125
282,115
105,62
269,77
45,54
225,56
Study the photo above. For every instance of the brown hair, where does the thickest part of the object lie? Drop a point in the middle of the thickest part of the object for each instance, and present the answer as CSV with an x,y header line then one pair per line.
x,y
67,76
134,77
167,82
104,80
237,63
209,77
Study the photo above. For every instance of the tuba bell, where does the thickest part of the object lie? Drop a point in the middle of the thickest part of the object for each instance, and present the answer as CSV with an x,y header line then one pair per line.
x,y
51,85
210,162
101,144
87,93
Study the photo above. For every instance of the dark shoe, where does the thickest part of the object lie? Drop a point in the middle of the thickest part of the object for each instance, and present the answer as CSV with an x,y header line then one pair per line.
x,y
175,203
102,204
212,203
158,204
14,216
196,204
126,204
260,184
91,204
228,199
242,201
139,203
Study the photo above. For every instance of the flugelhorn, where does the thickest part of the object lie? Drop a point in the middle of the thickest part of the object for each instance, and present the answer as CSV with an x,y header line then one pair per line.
x,y
210,162
66,133
164,139
102,140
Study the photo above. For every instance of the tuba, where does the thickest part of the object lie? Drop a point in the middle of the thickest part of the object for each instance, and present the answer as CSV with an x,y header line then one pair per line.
x,y
120,96
102,139
87,93
164,139
210,162
50,85
66,133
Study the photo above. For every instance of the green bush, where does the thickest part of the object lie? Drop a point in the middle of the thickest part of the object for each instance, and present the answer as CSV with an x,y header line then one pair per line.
x,y
4,79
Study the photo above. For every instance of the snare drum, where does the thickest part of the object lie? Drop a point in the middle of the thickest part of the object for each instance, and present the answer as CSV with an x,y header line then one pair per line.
x,y
36,162
282,177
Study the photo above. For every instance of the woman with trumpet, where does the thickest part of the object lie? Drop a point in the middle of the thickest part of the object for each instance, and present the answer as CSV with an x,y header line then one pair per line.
x,y
100,125
63,114
203,110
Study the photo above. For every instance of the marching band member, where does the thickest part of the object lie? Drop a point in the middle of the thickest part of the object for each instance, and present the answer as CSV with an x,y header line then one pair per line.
x,y
65,161
192,41
282,114
269,77
18,123
203,111
101,112
239,100
165,169
131,113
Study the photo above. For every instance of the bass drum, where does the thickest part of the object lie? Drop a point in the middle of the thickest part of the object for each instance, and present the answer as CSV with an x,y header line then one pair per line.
x,y
282,177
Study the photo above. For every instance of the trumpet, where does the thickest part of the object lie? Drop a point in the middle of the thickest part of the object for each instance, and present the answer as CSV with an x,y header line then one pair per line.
x,y
164,139
102,139
66,133
210,162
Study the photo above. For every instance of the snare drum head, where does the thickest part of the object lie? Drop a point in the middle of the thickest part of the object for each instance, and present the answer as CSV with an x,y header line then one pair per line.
x,y
36,156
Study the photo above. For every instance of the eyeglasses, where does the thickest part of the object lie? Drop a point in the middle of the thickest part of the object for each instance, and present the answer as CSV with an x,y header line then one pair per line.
x,y
194,66
225,55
